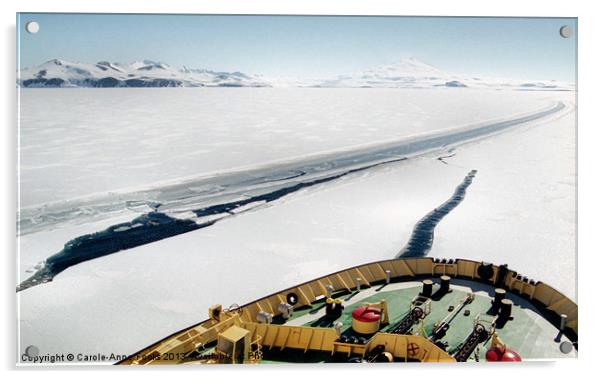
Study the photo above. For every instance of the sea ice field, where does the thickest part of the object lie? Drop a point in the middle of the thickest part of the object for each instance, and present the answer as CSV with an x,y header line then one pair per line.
x,y
378,161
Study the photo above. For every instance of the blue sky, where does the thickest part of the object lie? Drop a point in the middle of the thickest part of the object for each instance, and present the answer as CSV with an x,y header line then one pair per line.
x,y
305,46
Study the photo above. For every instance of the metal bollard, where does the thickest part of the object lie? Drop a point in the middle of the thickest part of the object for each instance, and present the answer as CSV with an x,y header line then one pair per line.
x,y
563,318
500,294
337,327
427,288
329,290
445,283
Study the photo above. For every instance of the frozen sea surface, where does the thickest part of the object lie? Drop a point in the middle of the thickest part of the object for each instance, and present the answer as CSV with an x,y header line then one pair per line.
x,y
79,142
519,210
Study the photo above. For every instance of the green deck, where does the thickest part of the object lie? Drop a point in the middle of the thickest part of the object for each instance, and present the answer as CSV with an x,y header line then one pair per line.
x,y
527,333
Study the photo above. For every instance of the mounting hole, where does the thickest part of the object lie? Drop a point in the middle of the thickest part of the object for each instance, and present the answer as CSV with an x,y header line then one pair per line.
x,y
32,27
566,347
566,31
32,351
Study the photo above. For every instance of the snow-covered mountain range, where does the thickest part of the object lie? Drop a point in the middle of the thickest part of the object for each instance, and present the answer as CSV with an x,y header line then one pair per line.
x,y
61,73
405,73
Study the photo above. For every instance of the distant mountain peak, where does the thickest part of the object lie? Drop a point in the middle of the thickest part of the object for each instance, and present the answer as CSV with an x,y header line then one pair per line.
x,y
405,67
148,64
415,62
54,61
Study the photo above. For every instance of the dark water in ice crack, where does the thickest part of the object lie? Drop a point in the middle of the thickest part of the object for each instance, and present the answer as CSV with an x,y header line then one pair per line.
x,y
421,240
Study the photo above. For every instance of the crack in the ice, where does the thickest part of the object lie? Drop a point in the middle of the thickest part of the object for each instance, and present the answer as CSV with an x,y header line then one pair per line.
x,y
421,240
155,226
183,194
443,158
